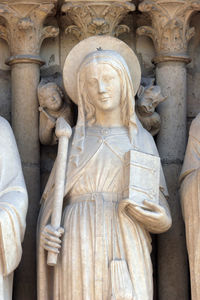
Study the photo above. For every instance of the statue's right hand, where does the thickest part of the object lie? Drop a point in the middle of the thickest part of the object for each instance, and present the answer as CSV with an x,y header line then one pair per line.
x,y
51,238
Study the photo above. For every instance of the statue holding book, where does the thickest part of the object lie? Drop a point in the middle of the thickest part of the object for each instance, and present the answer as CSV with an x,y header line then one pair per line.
x,y
112,189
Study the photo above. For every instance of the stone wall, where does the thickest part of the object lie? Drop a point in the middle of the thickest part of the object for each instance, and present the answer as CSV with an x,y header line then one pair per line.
x,y
53,52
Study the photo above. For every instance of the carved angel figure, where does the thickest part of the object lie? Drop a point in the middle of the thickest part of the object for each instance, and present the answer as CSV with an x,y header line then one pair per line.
x,y
149,96
190,201
52,106
13,208
104,252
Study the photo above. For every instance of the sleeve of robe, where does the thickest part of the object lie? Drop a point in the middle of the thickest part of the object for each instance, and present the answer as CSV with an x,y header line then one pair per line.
x,y
190,201
13,200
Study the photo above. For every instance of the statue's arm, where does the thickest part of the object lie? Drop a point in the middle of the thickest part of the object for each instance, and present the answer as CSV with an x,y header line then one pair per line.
x,y
46,129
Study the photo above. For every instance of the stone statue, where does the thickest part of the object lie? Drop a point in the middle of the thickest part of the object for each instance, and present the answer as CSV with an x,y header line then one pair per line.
x,y
13,208
52,106
190,200
149,96
103,242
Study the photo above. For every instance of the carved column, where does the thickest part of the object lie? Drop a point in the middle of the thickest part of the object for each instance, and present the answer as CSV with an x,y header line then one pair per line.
x,y
97,17
170,33
24,32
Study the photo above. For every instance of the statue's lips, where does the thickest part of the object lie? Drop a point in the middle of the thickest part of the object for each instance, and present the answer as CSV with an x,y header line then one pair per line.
x,y
104,99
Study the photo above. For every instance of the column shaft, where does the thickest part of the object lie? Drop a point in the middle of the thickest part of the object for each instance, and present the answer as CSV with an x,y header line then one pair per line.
x,y
170,31
25,79
24,30
172,257
171,141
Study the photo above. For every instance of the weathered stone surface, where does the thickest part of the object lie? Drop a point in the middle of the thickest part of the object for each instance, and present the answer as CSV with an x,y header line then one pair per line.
x,y
23,28
13,209
97,18
101,232
171,245
189,192
53,53
170,31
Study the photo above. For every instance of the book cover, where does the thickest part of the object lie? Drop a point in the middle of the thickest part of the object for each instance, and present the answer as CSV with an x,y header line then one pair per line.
x,y
142,177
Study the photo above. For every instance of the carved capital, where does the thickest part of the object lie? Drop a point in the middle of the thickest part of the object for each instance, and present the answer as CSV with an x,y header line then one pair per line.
x,y
96,17
23,29
170,30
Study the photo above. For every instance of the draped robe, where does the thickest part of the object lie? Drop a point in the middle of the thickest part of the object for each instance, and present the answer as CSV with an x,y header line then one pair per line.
x,y
97,179
13,208
190,200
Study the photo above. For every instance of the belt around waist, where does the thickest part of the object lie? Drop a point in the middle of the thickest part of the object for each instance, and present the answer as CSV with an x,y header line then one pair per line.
x,y
106,197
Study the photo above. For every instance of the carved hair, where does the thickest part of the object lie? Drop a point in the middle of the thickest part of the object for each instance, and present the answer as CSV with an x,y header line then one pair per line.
x,y
85,107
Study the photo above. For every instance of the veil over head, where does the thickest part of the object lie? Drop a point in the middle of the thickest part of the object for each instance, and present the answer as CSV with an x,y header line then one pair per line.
x,y
112,52
117,62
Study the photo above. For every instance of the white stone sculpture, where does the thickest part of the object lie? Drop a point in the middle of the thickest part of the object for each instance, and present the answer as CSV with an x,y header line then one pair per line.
x,y
103,242
52,106
149,97
190,200
13,208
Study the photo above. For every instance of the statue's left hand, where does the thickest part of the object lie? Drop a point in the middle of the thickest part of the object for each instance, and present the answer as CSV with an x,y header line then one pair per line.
x,y
51,238
152,215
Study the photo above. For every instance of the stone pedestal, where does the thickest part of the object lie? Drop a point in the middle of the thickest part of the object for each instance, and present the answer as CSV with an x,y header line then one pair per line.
x,y
170,33
24,32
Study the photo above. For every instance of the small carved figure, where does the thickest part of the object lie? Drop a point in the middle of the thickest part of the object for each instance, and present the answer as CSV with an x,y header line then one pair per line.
x,y
190,201
103,242
52,106
13,208
148,99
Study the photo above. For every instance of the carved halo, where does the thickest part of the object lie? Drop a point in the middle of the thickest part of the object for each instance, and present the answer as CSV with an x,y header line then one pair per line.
x,y
82,49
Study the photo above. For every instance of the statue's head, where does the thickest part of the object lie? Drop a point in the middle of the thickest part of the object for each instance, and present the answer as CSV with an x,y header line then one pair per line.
x,y
103,81
50,96
100,79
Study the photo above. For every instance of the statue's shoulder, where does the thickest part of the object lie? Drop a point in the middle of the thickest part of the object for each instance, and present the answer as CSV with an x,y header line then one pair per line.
x,y
4,125
195,127
6,134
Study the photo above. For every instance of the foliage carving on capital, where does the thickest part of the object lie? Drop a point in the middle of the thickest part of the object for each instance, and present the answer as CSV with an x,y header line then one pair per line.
x,y
24,29
170,30
92,18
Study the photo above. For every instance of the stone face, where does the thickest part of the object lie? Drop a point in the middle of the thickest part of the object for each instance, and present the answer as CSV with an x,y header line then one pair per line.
x,y
149,97
170,24
52,106
13,208
102,229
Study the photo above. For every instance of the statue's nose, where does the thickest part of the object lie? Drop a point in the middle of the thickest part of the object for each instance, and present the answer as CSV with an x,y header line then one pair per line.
x,y
102,87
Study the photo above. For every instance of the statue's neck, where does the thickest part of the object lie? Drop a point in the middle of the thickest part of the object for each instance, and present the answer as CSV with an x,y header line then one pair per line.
x,y
109,118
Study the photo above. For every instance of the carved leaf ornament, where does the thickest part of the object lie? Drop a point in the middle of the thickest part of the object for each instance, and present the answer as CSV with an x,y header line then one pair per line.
x,y
170,30
92,18
23,29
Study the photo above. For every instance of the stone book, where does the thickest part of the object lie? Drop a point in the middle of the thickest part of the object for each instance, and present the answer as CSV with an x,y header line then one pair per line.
x,y
142,177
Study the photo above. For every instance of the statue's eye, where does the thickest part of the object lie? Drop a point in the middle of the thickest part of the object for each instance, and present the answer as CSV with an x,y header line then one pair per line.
x,y
108,78
91,82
